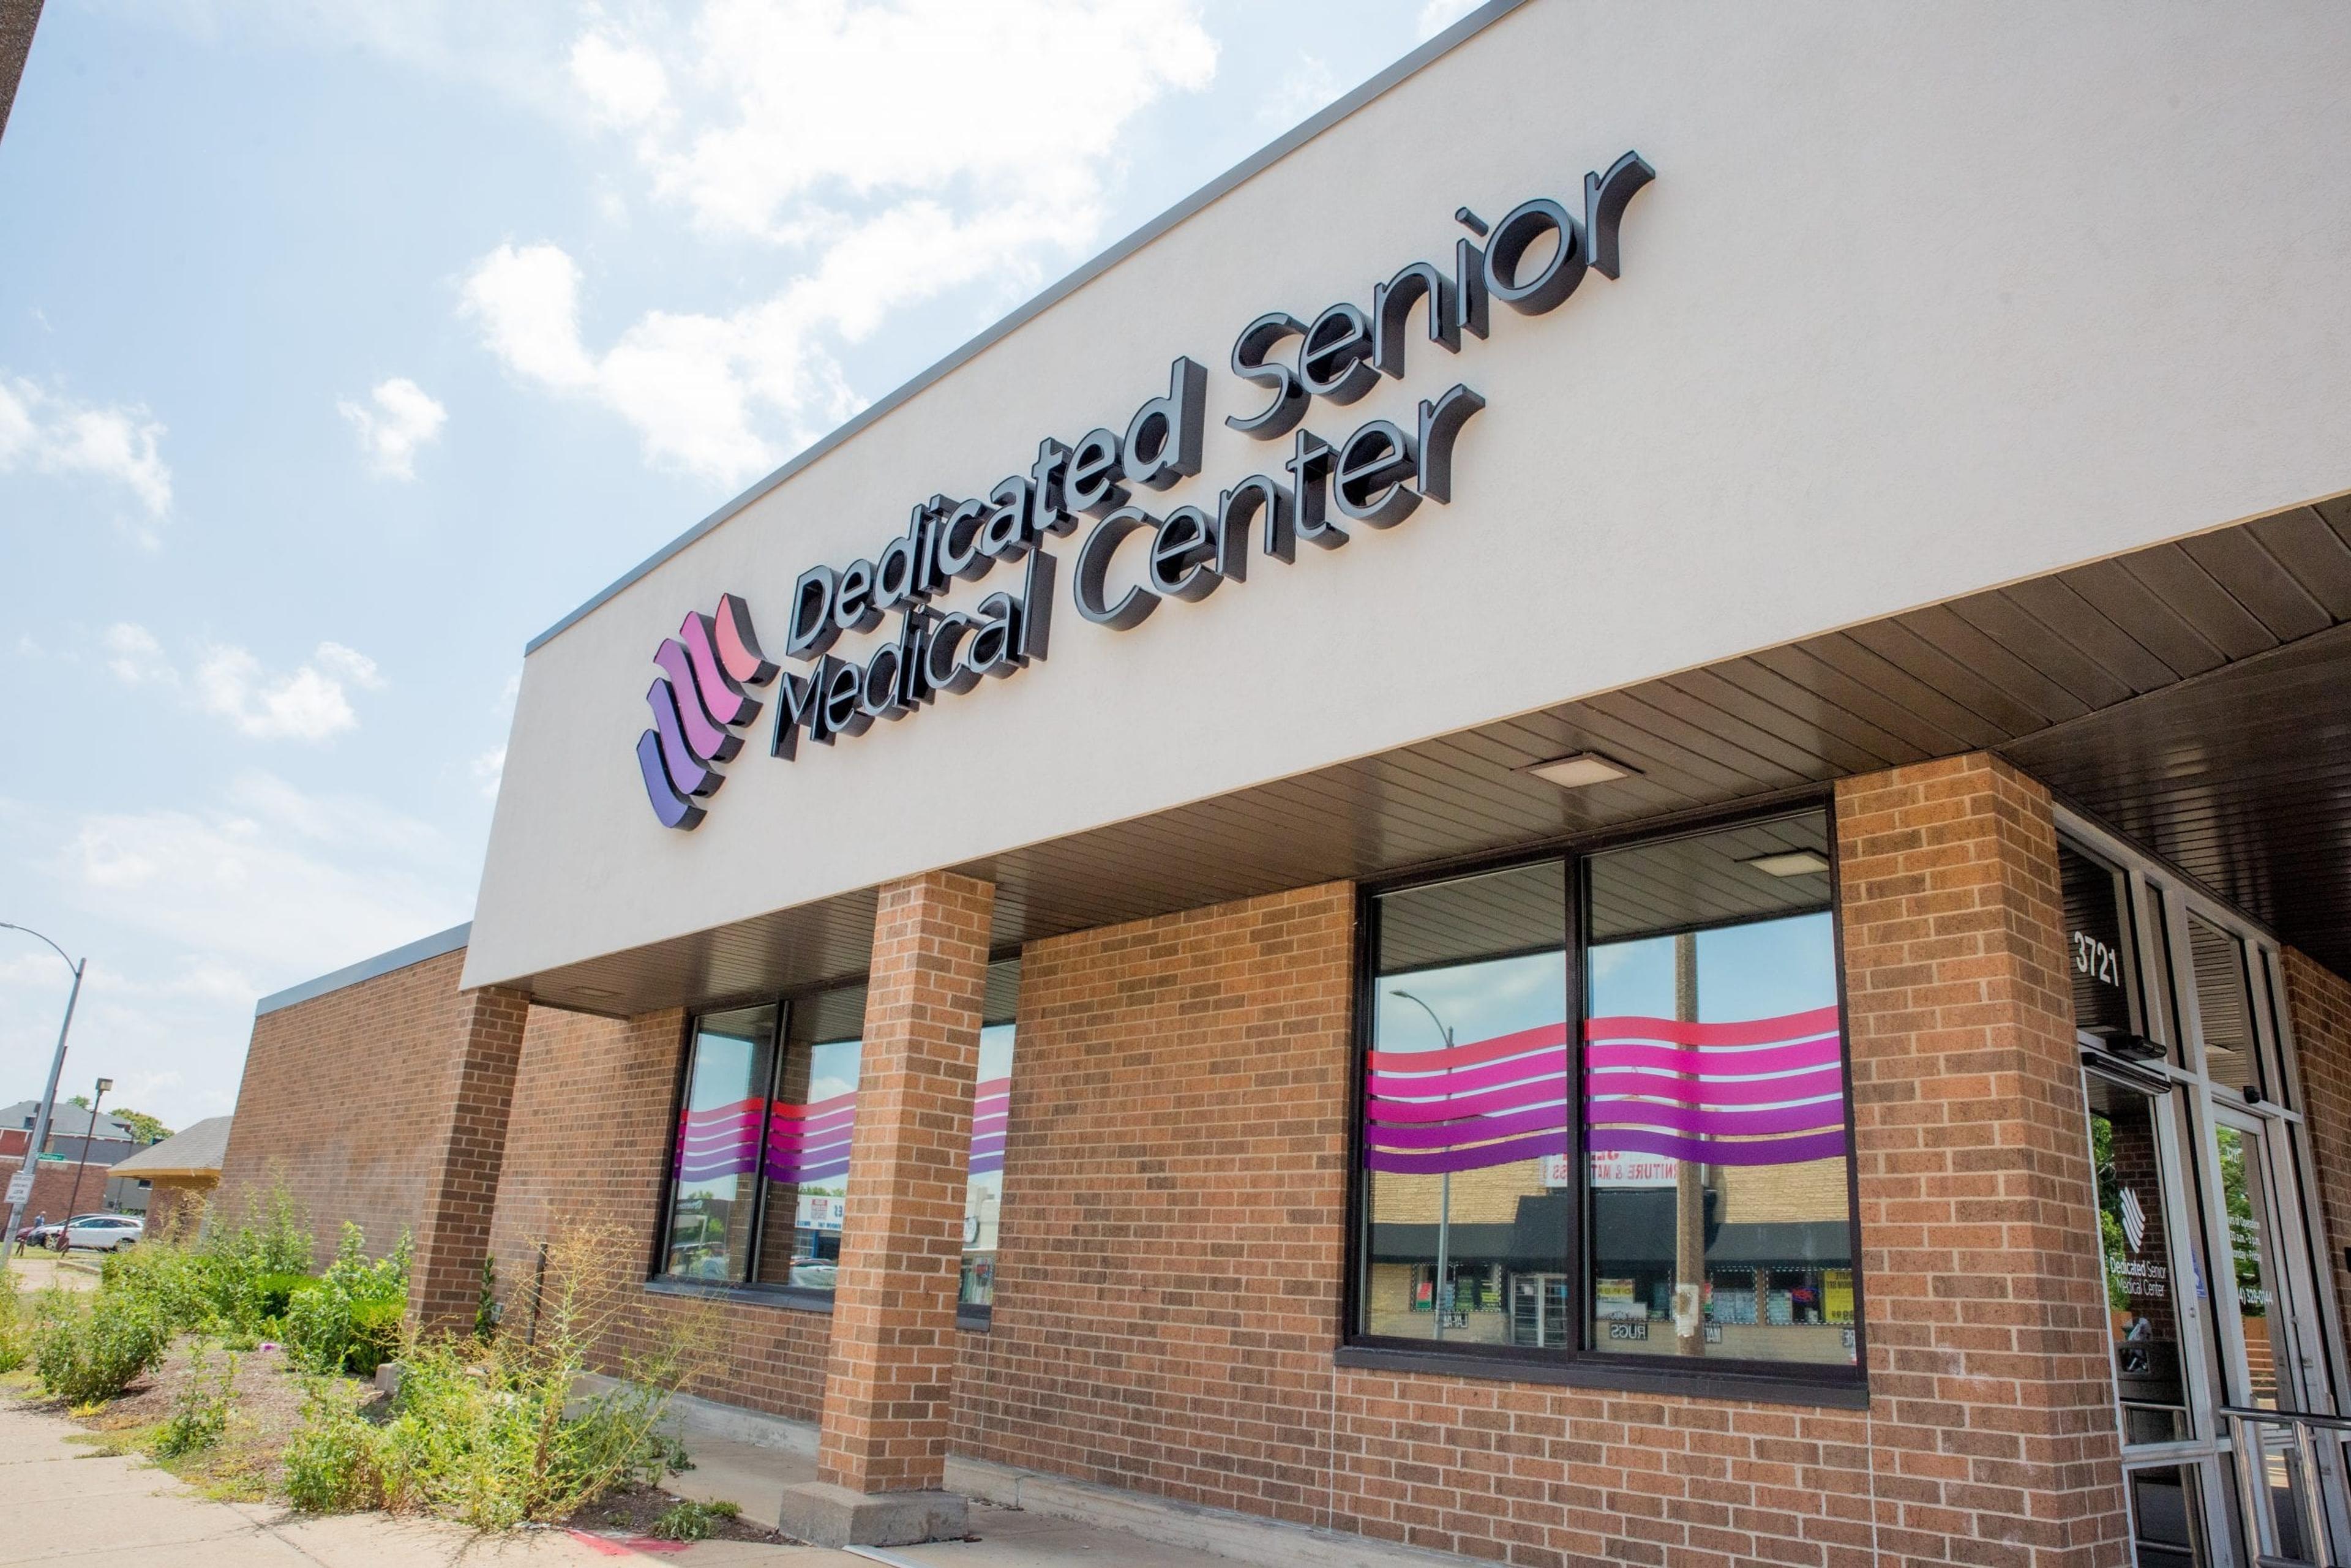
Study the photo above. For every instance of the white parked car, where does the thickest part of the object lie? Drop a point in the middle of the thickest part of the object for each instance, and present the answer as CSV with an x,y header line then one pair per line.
x,y
104,1232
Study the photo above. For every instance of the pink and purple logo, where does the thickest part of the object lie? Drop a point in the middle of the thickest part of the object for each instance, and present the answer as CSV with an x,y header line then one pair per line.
x,y
698,703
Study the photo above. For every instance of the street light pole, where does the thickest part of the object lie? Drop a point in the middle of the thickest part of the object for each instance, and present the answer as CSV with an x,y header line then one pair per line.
x,y
49,1097
1444,1296
89,1131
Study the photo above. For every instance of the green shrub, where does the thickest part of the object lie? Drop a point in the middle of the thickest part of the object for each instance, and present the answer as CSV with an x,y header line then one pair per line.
x,y
15,1323
86,1353
200,1414
492,1435
349,1321
336,1460
692,1521
252,1269
169,1280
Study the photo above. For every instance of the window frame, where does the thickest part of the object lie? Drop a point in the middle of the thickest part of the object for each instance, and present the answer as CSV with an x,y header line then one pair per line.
x,y
795,1297
1793,1383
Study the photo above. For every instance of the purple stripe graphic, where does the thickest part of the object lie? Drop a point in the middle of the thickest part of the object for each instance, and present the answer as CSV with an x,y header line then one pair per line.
x,y
1620,1081
1710,1123
1519,1097
1451,1133
1710,1061
1468,1159
1388,1085
673,807
1762,1151
710,742
721,696
685,771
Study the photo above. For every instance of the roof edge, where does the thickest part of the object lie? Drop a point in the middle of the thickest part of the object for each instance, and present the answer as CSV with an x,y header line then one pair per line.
x,y
1240,173
416,952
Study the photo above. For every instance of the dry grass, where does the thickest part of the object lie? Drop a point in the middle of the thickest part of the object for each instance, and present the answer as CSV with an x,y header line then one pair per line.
x,y
245,1465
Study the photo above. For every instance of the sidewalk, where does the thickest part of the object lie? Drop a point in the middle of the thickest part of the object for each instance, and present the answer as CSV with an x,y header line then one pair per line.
x,y
65,1503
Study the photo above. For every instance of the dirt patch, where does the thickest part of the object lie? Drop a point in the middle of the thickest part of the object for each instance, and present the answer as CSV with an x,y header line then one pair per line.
x,y
632,1513
264,1409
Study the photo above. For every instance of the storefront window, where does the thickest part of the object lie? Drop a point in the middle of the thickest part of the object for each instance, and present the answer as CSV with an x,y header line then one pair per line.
x,y
2224,1007
1704,1164
759,1186
714,1172
984,1189
809,1129
1720,1214
1466,1108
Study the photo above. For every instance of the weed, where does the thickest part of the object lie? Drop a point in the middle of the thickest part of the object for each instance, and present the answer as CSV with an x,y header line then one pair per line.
x,y
15,1324
200,1414
336,1462
85,1355
492,1435
349,1321
692,1521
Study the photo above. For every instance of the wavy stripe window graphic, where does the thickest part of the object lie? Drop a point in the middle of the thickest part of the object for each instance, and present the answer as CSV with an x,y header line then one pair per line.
x,y
991,1102
1759,1092
723,1141
811,1142
698,703
1763,1092
1489,1103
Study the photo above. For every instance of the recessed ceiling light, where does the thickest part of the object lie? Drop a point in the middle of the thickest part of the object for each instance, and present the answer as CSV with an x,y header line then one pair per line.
x,y
1582,768
1791,863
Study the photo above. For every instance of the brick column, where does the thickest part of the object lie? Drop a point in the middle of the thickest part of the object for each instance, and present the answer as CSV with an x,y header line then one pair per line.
x,y
446,1282
1992,1407
890,1378
2318,1006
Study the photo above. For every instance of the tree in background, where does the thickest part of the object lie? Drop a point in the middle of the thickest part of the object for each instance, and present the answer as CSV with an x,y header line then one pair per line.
x,y
145,1128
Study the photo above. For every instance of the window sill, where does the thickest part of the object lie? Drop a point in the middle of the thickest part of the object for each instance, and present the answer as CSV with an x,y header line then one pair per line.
x,y
789,1297
1696,1382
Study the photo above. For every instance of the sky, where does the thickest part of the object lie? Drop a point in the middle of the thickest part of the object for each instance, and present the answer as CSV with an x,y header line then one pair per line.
x,y
344,347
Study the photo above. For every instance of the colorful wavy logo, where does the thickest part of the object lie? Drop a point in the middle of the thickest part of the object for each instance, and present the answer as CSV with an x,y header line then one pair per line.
x,y
698,702
1764,1092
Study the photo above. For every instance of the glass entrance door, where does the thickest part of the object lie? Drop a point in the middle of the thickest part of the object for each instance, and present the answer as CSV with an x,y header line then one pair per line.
x,y
2271,1335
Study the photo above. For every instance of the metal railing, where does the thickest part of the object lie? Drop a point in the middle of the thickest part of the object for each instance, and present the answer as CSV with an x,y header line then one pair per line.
x,y
2271,1473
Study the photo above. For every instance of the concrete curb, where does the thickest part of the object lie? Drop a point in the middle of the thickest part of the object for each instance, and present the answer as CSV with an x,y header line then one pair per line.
x,y
1217,1532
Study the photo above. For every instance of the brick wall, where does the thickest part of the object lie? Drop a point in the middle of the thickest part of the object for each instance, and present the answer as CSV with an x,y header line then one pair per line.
x,y
2318,1003
589,1142
1173,1237
348,1094
53,1190
1171,1240
1994,1405
444,1286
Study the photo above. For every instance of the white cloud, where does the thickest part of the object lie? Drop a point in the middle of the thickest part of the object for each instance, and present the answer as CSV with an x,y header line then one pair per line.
x,y
489,768
52,434
135,658
905,149
1306,87
1436,15
274,881
404,418
311,702
625,84
307,703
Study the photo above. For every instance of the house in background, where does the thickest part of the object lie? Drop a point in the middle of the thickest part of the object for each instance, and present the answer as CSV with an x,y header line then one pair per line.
x,y
179,1174
72,1131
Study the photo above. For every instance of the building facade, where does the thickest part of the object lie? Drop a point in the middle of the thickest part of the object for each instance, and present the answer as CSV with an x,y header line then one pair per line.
x,y
1601,818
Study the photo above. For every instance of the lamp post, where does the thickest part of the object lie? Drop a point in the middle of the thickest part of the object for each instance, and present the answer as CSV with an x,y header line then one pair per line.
x,y
48,1096
1444,1301
89,1131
